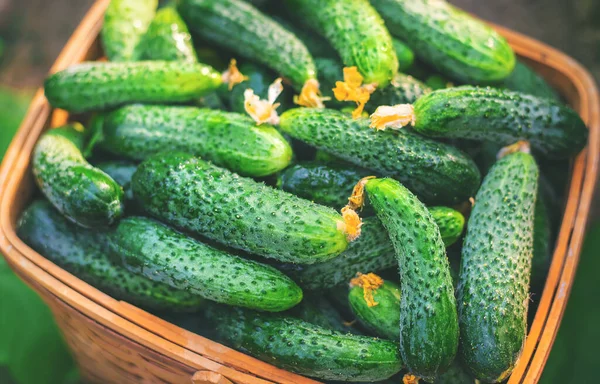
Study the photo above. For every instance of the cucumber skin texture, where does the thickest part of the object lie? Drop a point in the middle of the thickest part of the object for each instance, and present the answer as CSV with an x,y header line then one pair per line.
x,y
84,253
405,55
304,348
121,172
125,23
449,39
450,222
493,289
167,38
228,139
317,310
403,89
384,318
524,79
428,316
98,85
83,193
329,71
438,173
542,246
348,24
243,29
161,254
199,197
501,116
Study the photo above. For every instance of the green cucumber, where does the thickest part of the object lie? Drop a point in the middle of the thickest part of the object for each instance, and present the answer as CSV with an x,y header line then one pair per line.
x,y
329,71
493,289
356,31
501,116
454,42
450,222
163,255
83,193
383,319
456,374
84,253
167,38
317,310
316,44
524,79
243,29
98,85
228,139
304,348
121,171
199,197
405,55
403,89
428,317
437,172
125,22
542,244
436,82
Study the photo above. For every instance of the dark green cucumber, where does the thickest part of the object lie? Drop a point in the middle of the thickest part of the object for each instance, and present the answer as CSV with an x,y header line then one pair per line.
x,y
493,289
383,319
199,197
329,71
81,192
98,85
436,172
436,82
524,79
542,244
243,29
316,44
403,89
228,139
428,317
125,22
450,222
456,374
84,253
405,55
304,348
357,33
449,39
167,38
161,254
316,309
501,116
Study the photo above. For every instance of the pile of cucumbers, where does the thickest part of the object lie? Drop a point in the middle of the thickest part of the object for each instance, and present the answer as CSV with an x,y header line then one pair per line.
x,y
314,242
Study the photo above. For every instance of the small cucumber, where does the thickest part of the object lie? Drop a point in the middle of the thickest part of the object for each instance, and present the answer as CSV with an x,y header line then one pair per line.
x,y
199,197
501,116
493,289
121,171
98,85
524,79
167,38
437,172
243,29
356,31
428,317
125,22
228,139
450,222
304,348
83,193
403,89
449,39
316,309
157,252
405,55
84,253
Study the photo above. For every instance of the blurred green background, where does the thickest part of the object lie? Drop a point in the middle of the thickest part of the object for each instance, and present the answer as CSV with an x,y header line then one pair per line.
x,y
32,32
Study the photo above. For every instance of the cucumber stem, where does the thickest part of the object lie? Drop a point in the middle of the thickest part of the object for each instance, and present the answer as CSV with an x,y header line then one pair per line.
x,y
369,283
232,75
352,89
357,199
264,111
519,146
352,223
393,117
310,96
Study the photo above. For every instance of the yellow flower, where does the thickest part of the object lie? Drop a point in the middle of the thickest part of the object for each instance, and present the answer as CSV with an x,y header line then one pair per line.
x,y
369,283
264,111
352,223
351,89
232,75
394,117
310,96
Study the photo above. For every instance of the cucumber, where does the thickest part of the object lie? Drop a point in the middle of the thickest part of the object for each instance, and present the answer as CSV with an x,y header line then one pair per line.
x,y
316,44
405,55
501,116
304,348
83,193
450,222
121,172
228,139
542,244
524,79
125,22
456,374
493,289
167,38
157,252
357,33
330,70
317,310
404,89
84,253
98,85
436,172
428,317
449,39
243,29
199,197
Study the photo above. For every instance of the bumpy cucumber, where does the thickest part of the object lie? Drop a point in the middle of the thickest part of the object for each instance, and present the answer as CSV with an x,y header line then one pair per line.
x,y
83,193
199,197
357,33
304,348
524,79
495,269
436,172
84,253
161,254
228,139
383,319
125,22
501,116
542,245
167,38
97,85
317,310
428,315
450,222
405,55
449,39
121,171
403,89
243,29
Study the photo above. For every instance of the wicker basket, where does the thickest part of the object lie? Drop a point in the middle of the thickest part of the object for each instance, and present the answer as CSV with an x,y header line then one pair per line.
x,y
115,342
